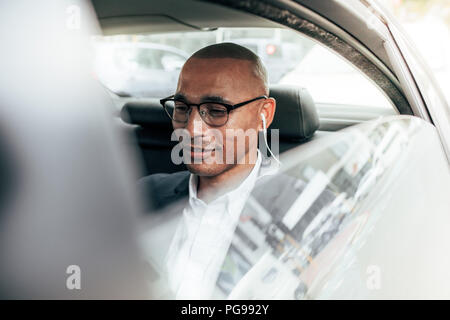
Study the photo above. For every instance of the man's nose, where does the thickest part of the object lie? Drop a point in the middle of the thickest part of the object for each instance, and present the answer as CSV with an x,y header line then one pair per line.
x,y
195,124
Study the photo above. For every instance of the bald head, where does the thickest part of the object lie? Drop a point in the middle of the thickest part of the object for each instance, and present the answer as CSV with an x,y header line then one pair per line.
x,y
228,50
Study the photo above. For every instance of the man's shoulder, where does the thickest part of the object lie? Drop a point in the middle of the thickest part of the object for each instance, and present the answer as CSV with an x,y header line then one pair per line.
x,y
160,189
164,179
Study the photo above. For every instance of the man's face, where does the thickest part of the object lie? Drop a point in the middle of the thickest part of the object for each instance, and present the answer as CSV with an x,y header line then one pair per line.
x,y
232,81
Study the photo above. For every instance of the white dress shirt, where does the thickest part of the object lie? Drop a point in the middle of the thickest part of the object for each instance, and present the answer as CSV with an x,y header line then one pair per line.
x,y
203,237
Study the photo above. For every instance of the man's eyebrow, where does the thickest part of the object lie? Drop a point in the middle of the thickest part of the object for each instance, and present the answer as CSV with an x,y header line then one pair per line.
x,y
216,99
179,96
208,98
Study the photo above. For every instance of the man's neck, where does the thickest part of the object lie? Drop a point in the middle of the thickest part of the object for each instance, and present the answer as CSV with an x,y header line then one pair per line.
x,y
210,188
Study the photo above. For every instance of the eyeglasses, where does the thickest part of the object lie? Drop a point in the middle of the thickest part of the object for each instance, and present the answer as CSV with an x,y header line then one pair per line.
x,y
213,113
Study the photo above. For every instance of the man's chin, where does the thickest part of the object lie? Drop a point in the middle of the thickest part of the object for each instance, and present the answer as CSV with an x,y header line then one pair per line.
x,y
207,170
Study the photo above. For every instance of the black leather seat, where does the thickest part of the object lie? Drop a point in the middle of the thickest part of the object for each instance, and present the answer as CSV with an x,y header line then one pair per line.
x,y
295,117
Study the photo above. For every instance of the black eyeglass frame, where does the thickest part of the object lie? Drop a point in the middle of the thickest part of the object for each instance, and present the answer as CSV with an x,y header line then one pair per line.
x,y
229,107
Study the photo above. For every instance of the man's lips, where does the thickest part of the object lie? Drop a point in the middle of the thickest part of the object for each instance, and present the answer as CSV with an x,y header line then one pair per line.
x,y
199,152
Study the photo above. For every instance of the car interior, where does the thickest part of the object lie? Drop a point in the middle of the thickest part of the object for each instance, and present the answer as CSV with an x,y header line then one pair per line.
x,y
298,117
353,144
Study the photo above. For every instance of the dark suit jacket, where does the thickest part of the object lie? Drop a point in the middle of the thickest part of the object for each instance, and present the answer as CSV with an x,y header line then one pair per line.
x,y
162,189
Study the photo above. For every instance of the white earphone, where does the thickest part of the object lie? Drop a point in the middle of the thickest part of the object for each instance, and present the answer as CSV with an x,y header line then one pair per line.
x,y
264,121
265,138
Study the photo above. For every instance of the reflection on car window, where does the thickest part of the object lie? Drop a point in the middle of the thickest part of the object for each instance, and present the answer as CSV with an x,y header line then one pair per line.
x,y
289,57
301,223
297,226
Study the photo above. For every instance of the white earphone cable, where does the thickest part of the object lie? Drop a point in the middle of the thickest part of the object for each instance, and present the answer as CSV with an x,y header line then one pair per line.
x,y
265,138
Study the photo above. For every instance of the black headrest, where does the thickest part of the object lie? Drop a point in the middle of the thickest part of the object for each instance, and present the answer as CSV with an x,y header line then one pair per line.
x,y
296,116
146,113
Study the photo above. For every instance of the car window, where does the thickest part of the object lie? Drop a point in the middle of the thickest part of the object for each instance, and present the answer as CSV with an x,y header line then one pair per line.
x,y
274,51
286,247
300,230
171,61
124,59
250,46
330,79
290,59
148,59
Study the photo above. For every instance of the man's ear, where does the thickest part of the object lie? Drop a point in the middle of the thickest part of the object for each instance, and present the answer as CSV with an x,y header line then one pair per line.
x,y
268,110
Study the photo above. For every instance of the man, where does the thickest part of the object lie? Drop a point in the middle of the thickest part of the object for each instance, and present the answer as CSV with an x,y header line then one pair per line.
x,y
215,77
230,74
217,225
